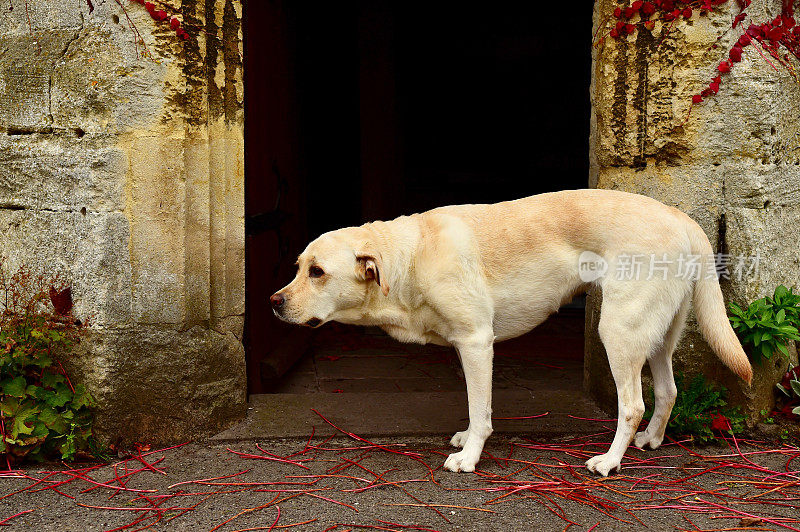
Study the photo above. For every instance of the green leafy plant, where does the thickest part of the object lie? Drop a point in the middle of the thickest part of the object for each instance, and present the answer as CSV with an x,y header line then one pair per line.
x,y
767,324
789,386
42,414
700,410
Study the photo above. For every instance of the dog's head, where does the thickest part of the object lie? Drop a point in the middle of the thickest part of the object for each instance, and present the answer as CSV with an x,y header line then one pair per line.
x,y
334,276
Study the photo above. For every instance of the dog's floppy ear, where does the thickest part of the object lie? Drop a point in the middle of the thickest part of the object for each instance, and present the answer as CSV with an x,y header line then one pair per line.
x,y
369,267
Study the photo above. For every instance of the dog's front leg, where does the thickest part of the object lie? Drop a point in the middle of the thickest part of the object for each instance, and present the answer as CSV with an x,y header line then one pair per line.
x,y
476,354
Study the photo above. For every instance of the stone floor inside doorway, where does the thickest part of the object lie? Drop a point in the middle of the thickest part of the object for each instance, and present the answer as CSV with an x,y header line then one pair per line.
x,y
347,359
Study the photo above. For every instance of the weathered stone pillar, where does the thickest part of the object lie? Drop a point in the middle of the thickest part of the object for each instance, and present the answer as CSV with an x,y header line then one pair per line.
x,y
121,167
734,166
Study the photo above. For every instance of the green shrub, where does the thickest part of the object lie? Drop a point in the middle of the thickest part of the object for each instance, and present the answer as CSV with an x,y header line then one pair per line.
x,y
42,414
700,410
767,324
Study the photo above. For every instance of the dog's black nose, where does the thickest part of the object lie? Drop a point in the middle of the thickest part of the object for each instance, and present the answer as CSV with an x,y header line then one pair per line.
x,y
277,301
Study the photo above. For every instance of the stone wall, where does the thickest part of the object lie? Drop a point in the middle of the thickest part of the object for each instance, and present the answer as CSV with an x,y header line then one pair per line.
x,y
734,166
124,172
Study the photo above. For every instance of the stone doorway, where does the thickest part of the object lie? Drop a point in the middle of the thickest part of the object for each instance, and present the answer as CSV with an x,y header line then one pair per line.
x,y
385,108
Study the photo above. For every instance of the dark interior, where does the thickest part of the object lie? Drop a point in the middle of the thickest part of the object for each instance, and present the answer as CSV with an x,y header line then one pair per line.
x,y
370,110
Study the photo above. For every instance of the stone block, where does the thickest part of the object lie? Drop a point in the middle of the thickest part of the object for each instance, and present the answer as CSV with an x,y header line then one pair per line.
x,y
61,172
157,200
159,385
772,234
101,86
755,184
37,16
90,251
26,66
642,87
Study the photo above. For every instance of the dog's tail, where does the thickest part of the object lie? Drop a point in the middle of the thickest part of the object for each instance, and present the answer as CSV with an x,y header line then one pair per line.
x,y
711,315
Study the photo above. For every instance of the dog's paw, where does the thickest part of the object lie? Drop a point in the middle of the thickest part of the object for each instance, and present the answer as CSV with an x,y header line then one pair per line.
x,y
461,461
603,464
645,439
459,439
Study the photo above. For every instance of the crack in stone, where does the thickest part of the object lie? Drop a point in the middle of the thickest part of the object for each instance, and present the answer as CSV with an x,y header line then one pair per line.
x,y
17,207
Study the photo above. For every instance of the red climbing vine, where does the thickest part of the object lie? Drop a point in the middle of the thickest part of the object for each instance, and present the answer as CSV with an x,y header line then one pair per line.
x,y
776,41
158,15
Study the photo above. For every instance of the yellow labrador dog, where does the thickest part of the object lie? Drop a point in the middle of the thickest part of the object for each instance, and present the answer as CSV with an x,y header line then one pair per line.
x,y
472,275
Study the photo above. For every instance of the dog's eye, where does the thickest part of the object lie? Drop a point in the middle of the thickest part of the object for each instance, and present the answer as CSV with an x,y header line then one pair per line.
x,y
315,271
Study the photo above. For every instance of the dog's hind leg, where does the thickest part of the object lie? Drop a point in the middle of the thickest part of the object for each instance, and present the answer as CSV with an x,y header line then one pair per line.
x,y
626,359
635,317
476,354
663,382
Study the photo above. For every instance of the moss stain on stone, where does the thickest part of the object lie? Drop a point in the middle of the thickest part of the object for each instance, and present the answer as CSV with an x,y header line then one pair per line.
x,y
213,42
619,109
644,50
233,62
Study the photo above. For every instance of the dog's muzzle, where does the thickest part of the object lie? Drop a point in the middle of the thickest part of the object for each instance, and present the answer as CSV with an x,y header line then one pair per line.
x,y
314,322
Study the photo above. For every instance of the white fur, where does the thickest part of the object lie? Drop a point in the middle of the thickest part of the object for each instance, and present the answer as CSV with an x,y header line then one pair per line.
x,y
470,275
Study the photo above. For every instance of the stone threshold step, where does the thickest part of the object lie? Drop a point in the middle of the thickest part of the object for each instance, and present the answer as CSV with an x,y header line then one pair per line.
x,y
272,416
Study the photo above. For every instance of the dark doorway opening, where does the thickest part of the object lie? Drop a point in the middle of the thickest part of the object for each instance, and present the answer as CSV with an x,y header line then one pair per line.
x,y
371,110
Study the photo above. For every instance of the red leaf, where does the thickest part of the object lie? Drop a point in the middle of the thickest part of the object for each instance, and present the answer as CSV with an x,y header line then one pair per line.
x,y
650,25
687,13
62,301
648,9
630,28
619,25
160,15
629,12
174,23
744,40
697,98
720,422
150,7
714,86
618,12
706,92
735,54
775,34
668,5
724,67
788,22
717,79
739,18
637,5
790,375
614,33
